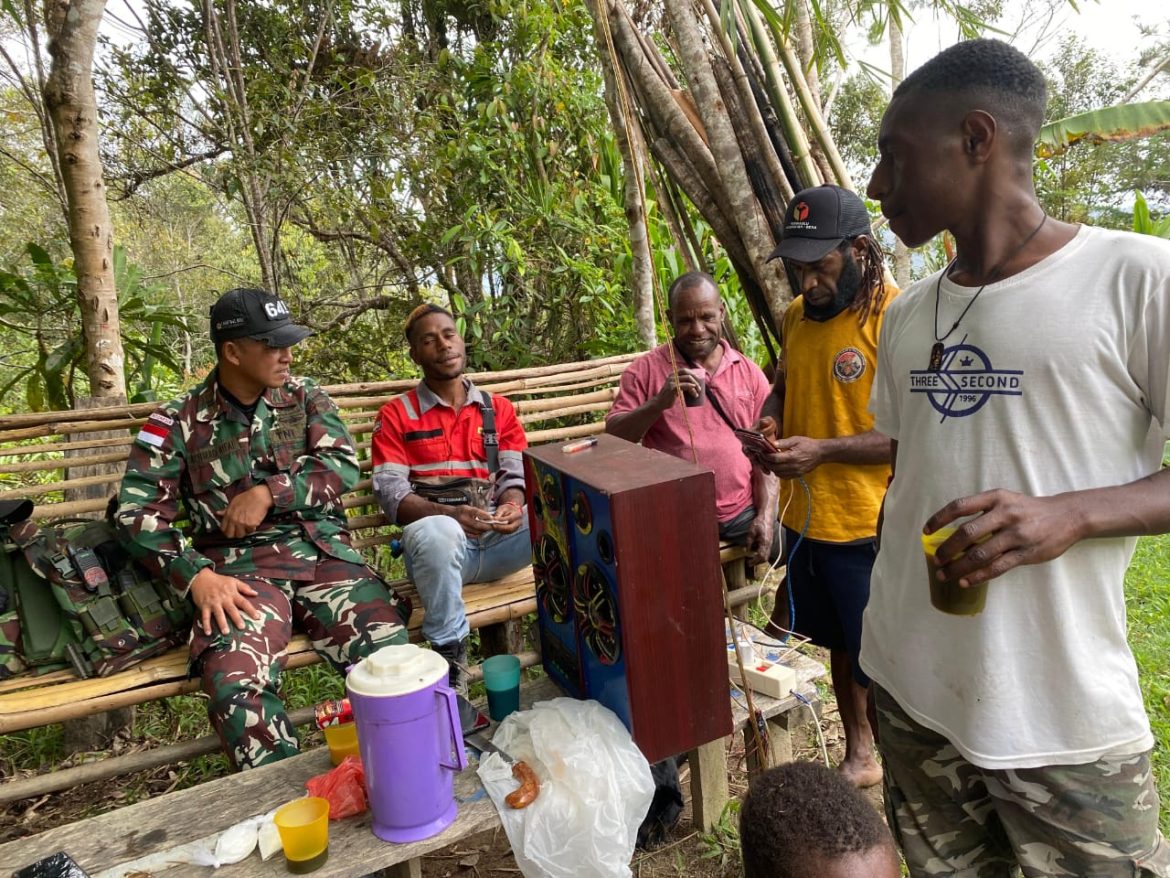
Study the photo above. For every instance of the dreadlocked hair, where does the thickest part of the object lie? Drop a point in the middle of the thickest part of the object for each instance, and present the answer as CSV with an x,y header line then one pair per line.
x,y
872,292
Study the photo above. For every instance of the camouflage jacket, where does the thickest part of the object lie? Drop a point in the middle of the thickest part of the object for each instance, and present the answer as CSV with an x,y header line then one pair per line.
x,y
199,452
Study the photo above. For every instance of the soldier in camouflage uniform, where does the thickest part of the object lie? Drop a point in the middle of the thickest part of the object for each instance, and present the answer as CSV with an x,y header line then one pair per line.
x,y
259,461
1025,389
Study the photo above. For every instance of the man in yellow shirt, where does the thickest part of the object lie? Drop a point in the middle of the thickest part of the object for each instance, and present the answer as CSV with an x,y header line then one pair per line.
x,y
836,465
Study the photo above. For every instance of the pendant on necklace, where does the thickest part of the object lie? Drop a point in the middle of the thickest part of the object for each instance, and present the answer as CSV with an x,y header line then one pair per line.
x,y
936,357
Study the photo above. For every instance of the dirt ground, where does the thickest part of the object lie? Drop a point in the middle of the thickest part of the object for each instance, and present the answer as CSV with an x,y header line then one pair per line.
x,y
687,852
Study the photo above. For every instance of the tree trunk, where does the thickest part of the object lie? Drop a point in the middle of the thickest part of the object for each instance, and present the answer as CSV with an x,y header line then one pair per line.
x,y
633,185
745,209
72,26
806,49
897,74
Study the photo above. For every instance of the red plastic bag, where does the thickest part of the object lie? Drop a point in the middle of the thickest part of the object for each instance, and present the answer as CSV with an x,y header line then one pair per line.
x,y
344,787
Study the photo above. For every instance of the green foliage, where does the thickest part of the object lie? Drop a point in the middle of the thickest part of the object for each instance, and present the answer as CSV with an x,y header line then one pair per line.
x,y
1147,587
722,842
857,115
41,324
1144,223
1091,182
465,160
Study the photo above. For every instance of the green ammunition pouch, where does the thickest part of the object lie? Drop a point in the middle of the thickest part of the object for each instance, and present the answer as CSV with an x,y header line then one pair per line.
x,y
80,600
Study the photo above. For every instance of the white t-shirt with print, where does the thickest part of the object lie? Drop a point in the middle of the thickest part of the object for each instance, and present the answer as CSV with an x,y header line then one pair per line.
x,y
1057,379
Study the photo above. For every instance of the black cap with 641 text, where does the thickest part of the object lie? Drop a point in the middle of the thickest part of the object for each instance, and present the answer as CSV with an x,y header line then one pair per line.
x,y
252,313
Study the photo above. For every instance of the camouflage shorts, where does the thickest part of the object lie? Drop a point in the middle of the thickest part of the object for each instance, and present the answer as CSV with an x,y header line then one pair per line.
x,y
953,818
348,612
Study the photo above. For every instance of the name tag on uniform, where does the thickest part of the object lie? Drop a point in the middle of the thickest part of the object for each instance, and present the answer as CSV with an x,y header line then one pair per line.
x,y
223,448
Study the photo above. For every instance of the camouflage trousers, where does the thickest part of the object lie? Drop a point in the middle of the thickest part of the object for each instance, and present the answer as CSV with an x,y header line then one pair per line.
x,y
1098,820
347,611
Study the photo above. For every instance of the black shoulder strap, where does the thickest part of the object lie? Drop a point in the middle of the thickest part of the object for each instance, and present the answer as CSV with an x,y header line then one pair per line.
x,y
491,439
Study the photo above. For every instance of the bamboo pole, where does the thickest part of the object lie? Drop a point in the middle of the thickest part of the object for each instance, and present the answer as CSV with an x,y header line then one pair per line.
x,y
145,760
138,411
50,487
351,409
33,466
560,434
755,74
801,154
697,191
812,112
54,447
745,209
747,102
763,184
567,411
659,103
69,509
558,402
621,116
103,769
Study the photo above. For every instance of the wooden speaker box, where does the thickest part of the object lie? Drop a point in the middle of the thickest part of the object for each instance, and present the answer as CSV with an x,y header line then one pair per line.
x,y
625,550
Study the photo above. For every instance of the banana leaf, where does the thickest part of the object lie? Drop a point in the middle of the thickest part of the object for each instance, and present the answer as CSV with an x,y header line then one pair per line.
x,y
1121,122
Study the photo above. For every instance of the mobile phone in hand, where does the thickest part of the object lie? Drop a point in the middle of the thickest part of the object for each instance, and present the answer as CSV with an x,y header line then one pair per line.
x,y
753,440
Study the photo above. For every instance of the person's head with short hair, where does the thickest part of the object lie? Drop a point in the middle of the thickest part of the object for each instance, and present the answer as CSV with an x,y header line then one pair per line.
x,y
830,253
435,343
695,311
957,138
802,820
253,334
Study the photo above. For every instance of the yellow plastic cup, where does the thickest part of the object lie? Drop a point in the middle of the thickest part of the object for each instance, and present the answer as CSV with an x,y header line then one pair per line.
x,y
947,596
303,825
342,740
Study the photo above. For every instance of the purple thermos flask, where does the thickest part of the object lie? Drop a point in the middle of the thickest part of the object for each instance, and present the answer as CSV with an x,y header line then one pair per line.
x,y
410,740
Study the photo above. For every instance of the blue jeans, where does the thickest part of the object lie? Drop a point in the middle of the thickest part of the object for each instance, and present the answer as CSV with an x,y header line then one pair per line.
x,y
441,559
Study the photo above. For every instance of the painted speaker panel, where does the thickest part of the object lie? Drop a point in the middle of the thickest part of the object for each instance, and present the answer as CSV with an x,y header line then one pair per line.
x,y
642,630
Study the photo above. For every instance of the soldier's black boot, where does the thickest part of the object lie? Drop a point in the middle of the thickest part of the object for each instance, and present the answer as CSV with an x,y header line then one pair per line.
x,y
456,655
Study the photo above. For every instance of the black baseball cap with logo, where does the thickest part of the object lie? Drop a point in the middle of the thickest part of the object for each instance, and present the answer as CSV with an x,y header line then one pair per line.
x,y
251,313
819,219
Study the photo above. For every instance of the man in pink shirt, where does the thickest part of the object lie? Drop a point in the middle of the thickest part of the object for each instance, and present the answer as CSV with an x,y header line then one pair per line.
x,y
724,389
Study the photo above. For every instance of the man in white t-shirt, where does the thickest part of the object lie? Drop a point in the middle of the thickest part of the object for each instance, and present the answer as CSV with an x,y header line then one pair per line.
x,y
1027,391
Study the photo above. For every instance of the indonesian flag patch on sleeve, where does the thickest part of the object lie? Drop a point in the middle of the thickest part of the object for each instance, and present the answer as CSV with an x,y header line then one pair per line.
x,y
156,429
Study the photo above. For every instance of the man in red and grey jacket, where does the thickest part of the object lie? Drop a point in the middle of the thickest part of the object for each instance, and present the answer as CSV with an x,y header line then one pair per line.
x,y
448,468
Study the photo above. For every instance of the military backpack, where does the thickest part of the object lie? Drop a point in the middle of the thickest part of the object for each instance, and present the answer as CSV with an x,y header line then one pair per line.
x,y
70,596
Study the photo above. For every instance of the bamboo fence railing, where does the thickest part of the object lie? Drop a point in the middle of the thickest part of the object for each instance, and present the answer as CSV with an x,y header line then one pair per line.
x,y
38,454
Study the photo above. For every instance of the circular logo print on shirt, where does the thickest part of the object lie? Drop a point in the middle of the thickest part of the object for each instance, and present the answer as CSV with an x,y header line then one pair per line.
x,y
848,365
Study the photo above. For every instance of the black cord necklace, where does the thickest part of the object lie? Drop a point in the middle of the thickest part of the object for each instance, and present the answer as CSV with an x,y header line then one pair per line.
x,y
936,351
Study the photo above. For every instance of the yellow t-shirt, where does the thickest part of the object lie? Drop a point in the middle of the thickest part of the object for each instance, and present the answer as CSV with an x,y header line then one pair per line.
x,y
829,370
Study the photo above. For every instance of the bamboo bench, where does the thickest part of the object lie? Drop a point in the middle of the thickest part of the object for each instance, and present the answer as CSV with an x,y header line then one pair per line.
x,y
554,403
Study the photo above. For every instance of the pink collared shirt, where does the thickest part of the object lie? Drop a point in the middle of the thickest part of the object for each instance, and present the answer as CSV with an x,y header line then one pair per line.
x,y
741,388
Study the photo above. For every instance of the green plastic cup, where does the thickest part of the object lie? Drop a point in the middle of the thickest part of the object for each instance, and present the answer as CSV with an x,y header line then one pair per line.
x,y
501,676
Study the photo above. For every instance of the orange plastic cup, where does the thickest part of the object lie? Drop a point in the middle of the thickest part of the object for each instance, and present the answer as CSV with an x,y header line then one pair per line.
x,y
303,825
947,596
342,740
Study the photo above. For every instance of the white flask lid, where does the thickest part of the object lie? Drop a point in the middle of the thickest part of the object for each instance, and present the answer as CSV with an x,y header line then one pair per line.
x,y
396,670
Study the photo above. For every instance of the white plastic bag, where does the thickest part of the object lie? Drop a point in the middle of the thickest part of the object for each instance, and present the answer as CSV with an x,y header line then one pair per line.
x,y
595,788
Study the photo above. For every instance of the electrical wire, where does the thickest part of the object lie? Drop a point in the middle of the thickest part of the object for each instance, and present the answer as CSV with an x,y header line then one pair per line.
x,y
792,551
816,722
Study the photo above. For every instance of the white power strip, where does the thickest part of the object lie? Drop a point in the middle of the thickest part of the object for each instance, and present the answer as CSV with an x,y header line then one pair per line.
x,y
767,678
